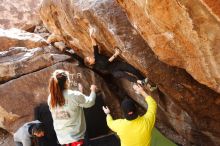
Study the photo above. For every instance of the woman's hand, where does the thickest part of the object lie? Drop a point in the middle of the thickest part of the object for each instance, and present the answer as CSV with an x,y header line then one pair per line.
x,y
80,87
93,88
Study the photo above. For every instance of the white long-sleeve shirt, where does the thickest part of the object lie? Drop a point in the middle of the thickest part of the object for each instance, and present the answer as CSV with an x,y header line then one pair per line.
x,y
69,120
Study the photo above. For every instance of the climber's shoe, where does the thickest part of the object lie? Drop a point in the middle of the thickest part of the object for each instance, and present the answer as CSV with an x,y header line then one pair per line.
x,y
153,88
143,82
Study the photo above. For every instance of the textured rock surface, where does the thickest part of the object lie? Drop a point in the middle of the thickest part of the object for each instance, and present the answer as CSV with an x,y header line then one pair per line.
x,y
19,61
19,14
183,33
8,141
32,89
5,138
190,109
18,38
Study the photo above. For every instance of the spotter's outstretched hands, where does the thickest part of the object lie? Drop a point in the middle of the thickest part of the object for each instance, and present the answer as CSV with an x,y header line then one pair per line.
x,y
106,110
138,89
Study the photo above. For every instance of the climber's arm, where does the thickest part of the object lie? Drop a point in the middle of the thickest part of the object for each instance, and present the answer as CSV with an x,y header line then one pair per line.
x,y
117,52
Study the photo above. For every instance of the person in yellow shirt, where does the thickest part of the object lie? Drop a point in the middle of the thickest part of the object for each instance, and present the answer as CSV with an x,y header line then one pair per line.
x,y
134,130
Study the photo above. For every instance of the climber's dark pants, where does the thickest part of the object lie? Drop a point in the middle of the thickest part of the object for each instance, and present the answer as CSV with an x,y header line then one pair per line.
x,y
121,69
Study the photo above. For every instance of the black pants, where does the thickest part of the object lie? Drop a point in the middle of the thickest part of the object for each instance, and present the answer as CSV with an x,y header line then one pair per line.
x,y
86,140
121,69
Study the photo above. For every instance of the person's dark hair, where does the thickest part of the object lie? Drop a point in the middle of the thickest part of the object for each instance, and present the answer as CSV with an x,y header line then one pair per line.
x,y
37,128
129,109
57,84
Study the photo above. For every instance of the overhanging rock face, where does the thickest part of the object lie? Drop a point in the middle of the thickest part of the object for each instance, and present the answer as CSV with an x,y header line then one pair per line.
x,y
189,108
183,33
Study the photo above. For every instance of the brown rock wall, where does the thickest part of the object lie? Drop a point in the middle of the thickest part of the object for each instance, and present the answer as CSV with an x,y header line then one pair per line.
x,y
182,33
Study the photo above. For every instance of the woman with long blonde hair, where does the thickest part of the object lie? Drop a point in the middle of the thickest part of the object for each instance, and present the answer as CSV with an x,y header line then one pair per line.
x,y
66,107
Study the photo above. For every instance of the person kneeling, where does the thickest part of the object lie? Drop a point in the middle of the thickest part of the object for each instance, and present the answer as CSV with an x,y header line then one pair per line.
x,y
23,136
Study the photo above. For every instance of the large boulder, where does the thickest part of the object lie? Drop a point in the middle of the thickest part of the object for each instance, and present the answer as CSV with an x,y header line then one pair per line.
x,y
182,33
19,14
18,61
19,38
193,106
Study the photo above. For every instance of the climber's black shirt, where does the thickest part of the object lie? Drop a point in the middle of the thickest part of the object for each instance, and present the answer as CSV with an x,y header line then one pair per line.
x,y
101,61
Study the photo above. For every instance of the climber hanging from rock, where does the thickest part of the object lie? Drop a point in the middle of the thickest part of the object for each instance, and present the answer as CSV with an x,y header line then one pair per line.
x,y
29,131
118,69
104,64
